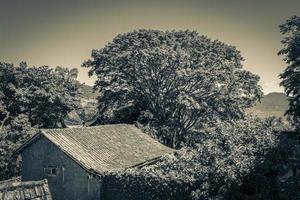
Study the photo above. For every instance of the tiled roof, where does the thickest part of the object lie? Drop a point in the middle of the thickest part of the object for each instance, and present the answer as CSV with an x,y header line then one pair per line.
x,y
106,147
17,190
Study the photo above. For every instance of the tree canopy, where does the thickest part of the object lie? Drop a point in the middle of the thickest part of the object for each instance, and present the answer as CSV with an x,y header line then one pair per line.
x,y
291,75
40,93
30,98
171,82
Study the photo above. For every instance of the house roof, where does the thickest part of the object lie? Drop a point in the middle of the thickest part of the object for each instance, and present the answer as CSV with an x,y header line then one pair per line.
x,y
15,189
106,147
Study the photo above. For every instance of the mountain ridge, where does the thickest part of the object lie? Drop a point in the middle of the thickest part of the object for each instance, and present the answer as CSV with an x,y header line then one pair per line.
x,y
271,104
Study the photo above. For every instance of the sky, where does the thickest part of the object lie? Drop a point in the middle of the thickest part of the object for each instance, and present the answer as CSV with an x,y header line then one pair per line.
x,y
63,32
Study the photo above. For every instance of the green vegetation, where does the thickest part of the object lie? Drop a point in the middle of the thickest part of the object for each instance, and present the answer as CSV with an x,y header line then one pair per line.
x,y
276,178
185,90
223,151
214,169
40,93
30,98
291,75
171,83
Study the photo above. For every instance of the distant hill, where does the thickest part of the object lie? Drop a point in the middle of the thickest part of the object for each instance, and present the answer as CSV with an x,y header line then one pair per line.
x,y
88,104
272,104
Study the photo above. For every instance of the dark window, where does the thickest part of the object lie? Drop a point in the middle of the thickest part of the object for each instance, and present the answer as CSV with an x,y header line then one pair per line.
x,y
51,171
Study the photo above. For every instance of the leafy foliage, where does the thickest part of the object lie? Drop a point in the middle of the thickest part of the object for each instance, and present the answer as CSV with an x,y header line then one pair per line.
x,y
30,98
140,185
11,137
291,75
171,82
67,74
38,92
225,156
276,178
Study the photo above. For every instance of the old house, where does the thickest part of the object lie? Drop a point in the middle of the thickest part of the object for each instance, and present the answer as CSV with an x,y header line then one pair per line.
x,y
72,159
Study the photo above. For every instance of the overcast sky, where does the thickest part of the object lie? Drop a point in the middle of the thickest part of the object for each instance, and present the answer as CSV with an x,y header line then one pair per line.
x,y
63,32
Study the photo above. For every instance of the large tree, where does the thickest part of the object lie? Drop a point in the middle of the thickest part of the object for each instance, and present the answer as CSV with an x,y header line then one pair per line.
x,y
171,82
291,75
42,94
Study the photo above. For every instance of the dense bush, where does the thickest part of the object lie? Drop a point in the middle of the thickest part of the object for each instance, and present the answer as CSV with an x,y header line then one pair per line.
x,y
226,154
277,178
138,184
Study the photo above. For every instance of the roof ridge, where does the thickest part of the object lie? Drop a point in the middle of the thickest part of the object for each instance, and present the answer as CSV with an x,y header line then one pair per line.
x,y
103,125
105,147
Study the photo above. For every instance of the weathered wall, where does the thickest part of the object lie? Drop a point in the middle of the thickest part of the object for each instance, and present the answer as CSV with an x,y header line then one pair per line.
x,y
71,183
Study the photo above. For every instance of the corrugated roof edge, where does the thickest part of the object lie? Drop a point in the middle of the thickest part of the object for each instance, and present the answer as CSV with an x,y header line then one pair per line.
x,y
38,136
40,132
92,171
23,184
12,180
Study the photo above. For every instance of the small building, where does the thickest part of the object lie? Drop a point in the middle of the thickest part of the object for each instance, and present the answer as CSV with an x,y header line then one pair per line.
x,y
73,159
17,190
